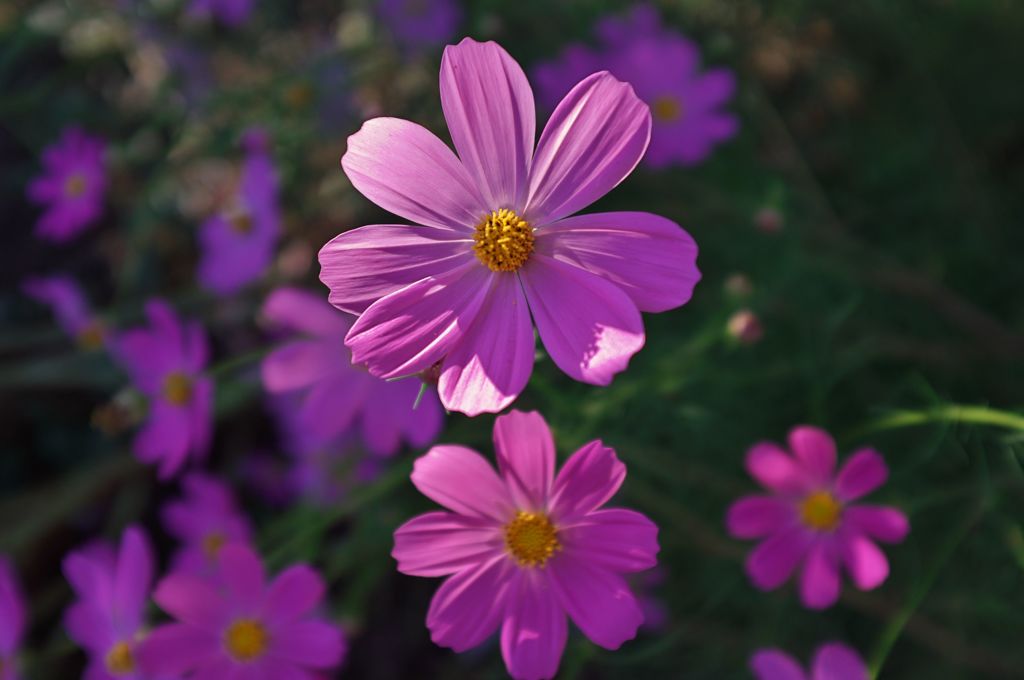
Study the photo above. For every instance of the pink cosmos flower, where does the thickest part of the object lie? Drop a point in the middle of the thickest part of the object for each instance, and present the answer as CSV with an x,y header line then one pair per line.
x,y
72,186
108,616
833,661
205,520
496,244
165,361
810,517
524,549
231,13
65,296
338,395
238,242
12,620
249,630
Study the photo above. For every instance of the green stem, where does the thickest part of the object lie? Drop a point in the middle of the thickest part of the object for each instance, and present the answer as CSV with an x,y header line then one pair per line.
x,y
228,365
953,413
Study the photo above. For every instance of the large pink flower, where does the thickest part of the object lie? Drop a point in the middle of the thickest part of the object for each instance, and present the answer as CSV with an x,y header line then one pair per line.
x,y
810,517
524,549
496,244
833,661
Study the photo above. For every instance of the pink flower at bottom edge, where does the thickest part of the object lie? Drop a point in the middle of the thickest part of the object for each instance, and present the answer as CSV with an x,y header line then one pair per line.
x,y
833,661
12,620
809,518
525,548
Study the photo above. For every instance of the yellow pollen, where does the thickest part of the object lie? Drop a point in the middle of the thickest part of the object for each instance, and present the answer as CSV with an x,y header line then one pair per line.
x,y
531,538
178,388
212,543
74,186
667,109
504,241
239,220
821,511
246,640
120,660
91,336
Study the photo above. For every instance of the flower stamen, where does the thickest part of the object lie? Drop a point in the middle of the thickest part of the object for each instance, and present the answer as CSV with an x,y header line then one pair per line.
x,y
504,241
531,538
246,640
120,660
821,511
667,109
74,186
178,388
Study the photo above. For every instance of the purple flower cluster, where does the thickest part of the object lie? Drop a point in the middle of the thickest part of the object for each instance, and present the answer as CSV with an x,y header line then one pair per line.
x,y
72,187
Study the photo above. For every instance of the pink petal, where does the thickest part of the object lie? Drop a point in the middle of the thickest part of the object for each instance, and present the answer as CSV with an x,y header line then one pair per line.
x,y
201,417
588,479
491,363
468,606
776,471
196,347
535,629
525,451
243,574
300,310
405,169
315,644
819,580
462,481
488,105
589,326
296,591
365,264
87,624
133,578
164,438
595,137
773,664
301,363
772,562
758,516
648,256
192,600
442,543
838,662
864,561
815,450
861,474
598,601
615,539
414,327
174,649
881,523
330,407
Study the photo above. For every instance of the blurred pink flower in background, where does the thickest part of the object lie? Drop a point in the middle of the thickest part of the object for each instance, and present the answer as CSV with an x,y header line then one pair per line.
x,y
421,24
497,244
525,548
204,520
337,396
246,630
165,361
833,661
73,314
108,616
745,327
12,620
72,186
231,13
238,242
809,518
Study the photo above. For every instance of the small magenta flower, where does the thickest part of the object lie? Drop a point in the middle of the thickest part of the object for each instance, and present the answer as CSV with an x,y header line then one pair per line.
x,y
249,630
421,24
108,616
12,620
498,252
231,13
810,517
72,186
337,395
165,361
524,549
73,314
833,661
205,520
238,242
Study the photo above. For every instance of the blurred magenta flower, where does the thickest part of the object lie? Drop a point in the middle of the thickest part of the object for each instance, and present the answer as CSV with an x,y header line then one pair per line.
x,y
420,24
833,661
497,244
12,620
664,69
165,361
338,395
108,616
238,242
809,517
247,630
73,314
72,186
203,521
525,548
231,13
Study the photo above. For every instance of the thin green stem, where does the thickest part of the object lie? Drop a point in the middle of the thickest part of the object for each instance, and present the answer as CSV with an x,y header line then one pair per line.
x,y
952,413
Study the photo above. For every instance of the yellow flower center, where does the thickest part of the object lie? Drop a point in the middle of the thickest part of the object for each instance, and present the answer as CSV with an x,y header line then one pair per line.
x,y
821,511
120,659
667,109
212,543
74,186
246,640
178,388
504,241
239,220
531,538
91,337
